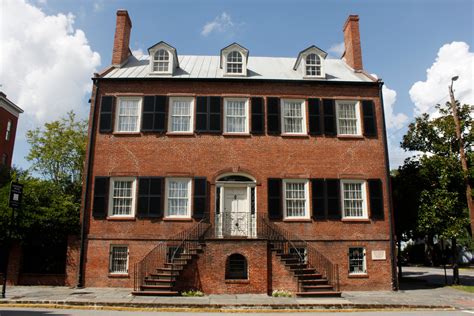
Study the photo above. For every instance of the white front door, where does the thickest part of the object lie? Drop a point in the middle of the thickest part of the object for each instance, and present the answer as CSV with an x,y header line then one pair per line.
x,y
236,215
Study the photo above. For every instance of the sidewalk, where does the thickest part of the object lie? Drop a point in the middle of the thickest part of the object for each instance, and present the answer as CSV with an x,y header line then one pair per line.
x,y
416,293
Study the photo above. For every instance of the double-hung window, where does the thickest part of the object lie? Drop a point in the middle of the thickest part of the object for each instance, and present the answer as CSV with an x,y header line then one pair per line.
x,y
181,115
293,117
236,113
178,197
313,65
122,199
161,61
354,200
348,117
128,114
118,260
357,263
295,194
9,130
234,63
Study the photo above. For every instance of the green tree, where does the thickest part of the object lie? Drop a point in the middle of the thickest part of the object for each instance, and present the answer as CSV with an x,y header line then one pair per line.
x,y
57,151
442,207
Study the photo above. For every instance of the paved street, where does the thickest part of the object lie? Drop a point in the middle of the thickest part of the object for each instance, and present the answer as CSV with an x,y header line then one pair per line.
x,y
69,312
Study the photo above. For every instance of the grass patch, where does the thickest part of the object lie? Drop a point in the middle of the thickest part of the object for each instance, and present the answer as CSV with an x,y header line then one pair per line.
x,y
192,293
465,288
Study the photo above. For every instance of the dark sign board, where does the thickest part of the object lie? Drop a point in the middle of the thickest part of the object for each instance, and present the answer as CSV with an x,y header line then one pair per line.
x,y
16,193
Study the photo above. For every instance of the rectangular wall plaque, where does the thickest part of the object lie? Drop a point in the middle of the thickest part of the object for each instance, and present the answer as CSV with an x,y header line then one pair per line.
x,y
378,255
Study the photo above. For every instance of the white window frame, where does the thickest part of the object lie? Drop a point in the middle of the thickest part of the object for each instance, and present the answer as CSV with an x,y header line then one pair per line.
x,y
357,110
282,118
117,114
170,62
364,262
188,211
170,115
321,66
8,134
111,197
111,259
247,115
306,192
242,63
364,199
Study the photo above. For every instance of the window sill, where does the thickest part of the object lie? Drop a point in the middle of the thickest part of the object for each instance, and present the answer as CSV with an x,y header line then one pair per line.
x,y
295,135
358,276
236,281
121,218
177,219
119,275
357,220
180,134
297,220
236,134
126,133
350,136
314,77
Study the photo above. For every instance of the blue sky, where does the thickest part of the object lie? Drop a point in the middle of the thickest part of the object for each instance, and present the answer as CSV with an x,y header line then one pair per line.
x,y
400,41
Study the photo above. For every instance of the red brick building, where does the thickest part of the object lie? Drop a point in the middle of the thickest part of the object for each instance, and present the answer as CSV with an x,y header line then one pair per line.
x,y
9,113
236,174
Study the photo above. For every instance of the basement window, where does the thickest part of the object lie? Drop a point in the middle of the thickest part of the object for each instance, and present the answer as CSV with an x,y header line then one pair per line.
x,y
357,264
118,261
236,267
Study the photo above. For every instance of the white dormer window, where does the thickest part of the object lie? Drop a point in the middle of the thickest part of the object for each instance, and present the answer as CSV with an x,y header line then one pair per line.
x,y
234,63
313,65
161,61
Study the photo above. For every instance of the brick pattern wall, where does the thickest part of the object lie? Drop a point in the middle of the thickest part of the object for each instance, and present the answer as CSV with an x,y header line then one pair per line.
x,y
353,51
6,146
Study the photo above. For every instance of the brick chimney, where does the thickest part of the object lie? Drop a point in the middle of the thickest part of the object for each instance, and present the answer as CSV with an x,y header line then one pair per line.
x,y
122,38
352,53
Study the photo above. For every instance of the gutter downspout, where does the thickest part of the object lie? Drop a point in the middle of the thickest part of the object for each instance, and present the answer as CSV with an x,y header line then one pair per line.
x,y
85,194
389,188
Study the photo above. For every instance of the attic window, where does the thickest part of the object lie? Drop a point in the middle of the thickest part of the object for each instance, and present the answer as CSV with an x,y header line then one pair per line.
x,y
234,63
313,65
161,61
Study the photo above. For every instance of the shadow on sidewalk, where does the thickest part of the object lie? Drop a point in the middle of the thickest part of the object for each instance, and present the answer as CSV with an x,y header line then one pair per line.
x,y
29,313
419,280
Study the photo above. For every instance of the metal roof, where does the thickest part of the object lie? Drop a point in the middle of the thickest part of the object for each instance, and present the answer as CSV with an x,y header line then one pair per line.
x,y
263,68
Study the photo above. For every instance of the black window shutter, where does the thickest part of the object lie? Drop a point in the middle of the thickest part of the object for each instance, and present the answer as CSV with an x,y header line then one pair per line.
x,y
150,197
370,125
315,118
200,205
333,200
275,199
202,110
215,114
106,119
376,199
273,116
257,116
318,192
329,110
154,113
101,197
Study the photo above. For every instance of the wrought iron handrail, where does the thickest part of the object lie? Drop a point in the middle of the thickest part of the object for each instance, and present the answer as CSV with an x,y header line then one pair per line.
x,y
285,241
158,256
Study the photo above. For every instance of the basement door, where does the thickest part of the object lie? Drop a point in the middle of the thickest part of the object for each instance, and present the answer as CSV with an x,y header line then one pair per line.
x,y
236,214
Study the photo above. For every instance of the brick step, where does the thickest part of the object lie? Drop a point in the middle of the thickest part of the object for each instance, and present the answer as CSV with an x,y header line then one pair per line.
x,y
163,276
319,294
298,266
179,259
317,288
309,276
177,265
156,287
314,281
172,269
304,271
155,293
290,260
149,281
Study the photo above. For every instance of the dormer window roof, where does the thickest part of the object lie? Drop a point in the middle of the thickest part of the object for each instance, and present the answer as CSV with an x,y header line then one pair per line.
x,y
163,59
234,60
310,62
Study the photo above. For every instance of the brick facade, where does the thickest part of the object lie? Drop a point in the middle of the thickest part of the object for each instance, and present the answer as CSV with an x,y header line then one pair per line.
x,y
8,117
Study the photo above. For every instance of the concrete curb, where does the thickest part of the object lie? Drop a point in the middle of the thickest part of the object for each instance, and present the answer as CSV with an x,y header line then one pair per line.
x,y
217,307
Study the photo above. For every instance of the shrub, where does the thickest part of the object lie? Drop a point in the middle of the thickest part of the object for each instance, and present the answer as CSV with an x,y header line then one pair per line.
x,y
281,293
191,293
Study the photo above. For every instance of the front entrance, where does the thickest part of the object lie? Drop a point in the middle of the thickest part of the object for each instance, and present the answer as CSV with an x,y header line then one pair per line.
x,y
235,206
236,215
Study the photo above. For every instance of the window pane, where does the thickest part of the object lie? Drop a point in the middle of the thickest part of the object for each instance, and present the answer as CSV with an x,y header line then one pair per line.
x,y
236,119
295,199
347,118
128,115
122,197
292,117
356,260
178,197
353,200
161,61
234,62
181,116
119,259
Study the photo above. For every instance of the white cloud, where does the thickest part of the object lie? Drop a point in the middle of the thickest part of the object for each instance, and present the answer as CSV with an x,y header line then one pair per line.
x,y
454,59
98,5
45,64
138,53
220,24
337,49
